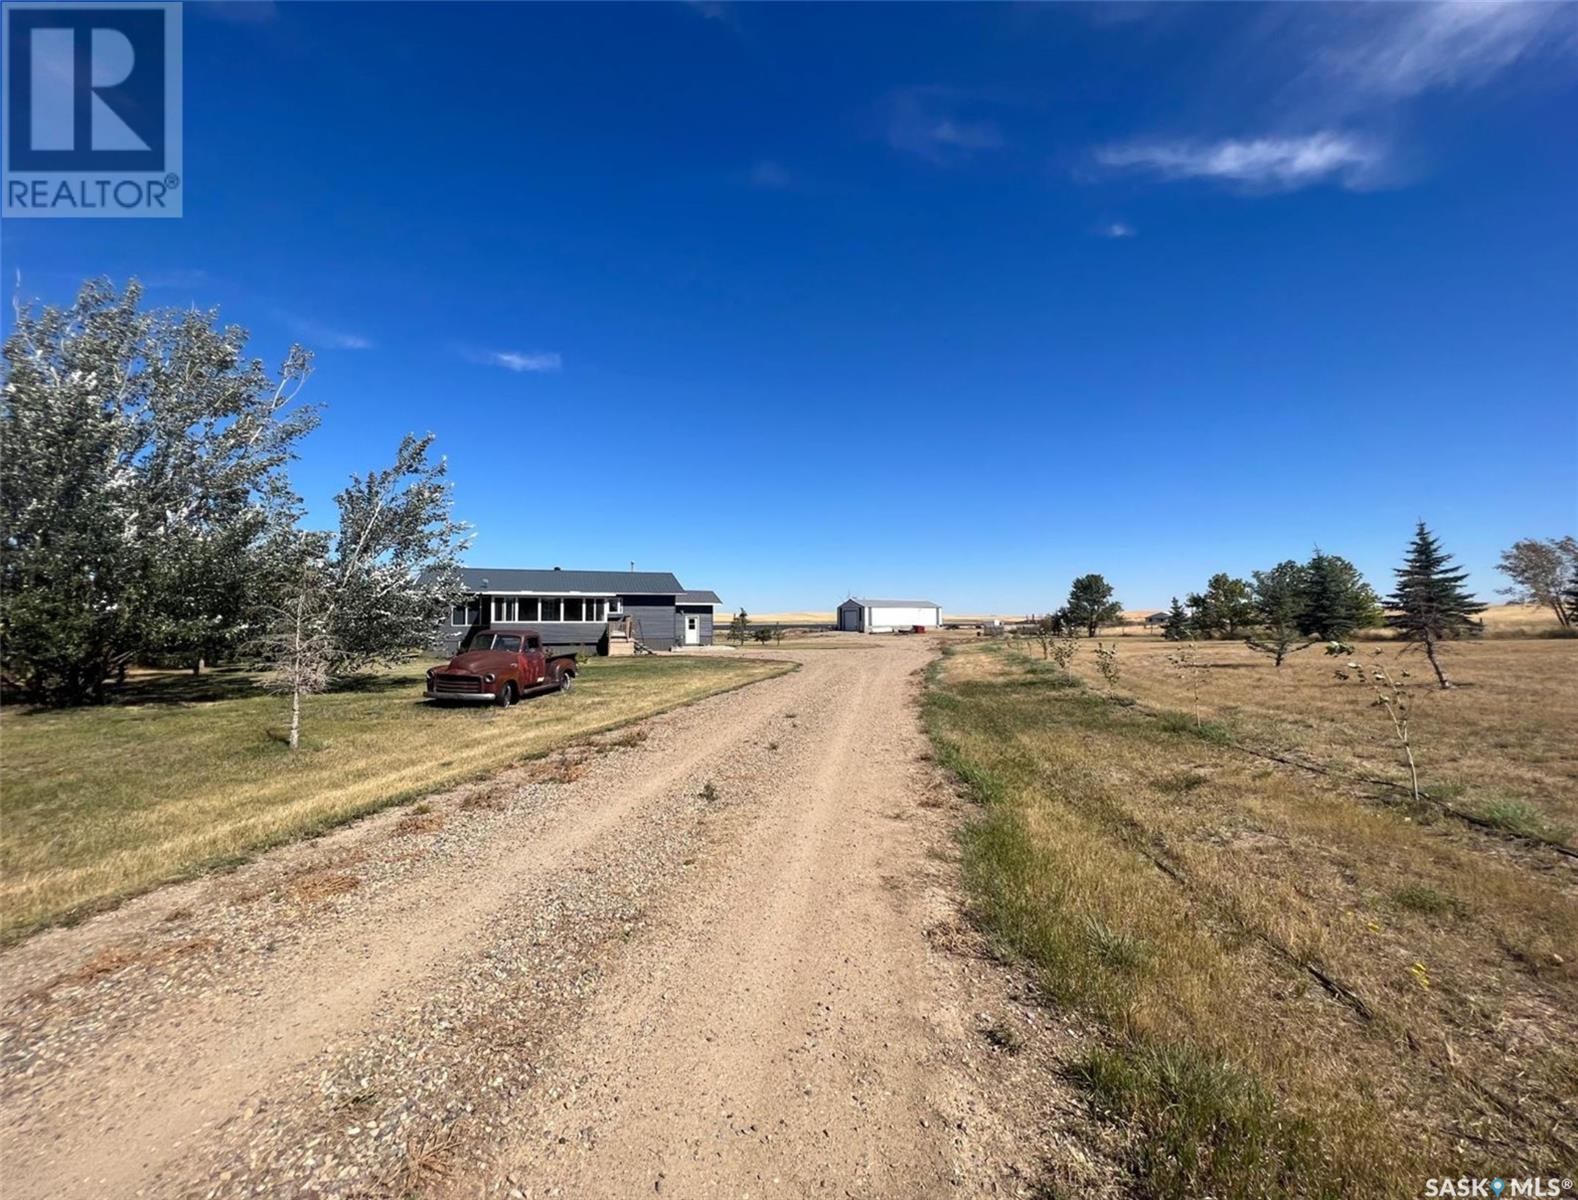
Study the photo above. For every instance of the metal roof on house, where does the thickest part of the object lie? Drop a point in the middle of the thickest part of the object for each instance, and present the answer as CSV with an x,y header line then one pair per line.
x,y
863,601
702,597
591,583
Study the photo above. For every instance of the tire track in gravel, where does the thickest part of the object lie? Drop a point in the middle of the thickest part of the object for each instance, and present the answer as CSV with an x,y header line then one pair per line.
x,y
779,1032
112,1119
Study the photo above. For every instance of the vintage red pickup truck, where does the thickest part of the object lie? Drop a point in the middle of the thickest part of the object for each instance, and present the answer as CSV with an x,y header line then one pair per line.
x,y
499,666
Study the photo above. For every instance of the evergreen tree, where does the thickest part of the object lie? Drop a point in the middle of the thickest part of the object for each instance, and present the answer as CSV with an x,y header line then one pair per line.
x,y
1339,600
1177,627
1430,604
1090,604
739,628
1281,597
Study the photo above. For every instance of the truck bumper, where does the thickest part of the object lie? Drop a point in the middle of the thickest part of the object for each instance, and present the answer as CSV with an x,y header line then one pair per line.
x,y
464,697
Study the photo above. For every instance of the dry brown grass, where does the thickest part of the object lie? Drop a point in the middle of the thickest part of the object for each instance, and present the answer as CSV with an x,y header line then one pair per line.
x,y
103,803
1308,992
1504,735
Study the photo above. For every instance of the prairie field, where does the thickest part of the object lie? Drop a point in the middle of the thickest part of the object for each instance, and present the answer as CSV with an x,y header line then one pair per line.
x,y
1305,983
185,774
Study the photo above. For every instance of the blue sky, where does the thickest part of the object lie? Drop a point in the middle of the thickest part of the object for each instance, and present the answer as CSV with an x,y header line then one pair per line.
x,y
954,301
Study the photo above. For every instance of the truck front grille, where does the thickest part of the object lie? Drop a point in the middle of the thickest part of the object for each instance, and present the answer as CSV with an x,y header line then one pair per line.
x,y
456,685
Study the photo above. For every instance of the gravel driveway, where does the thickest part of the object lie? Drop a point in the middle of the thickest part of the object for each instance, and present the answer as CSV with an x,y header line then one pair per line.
x,y
719,954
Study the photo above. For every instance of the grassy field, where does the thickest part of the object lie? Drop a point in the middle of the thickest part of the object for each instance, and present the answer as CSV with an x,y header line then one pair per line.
x,y
1306,985
187,774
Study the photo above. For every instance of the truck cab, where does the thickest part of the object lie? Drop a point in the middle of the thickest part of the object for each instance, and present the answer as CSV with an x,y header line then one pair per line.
x,y
501,666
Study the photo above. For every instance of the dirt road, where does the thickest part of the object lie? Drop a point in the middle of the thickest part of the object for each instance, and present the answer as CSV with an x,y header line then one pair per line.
x,y
715,956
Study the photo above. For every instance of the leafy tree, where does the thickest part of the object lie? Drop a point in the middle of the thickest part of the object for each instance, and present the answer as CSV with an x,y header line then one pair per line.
x,y
368,594
763,635
143,473
1570,602
1177,627
1045,632
1281,598
1090,604
1542,572
1430,604
1224,608
739,628
1339,600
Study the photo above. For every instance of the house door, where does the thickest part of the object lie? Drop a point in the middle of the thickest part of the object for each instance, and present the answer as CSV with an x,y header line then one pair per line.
x,y
692,629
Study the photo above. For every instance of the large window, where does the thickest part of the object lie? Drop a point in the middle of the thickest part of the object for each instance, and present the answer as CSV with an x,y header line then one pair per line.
x,y
464,614
503,609
575,610
550,611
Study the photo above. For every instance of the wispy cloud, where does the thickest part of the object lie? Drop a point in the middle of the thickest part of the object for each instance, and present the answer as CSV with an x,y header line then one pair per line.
x,y
325,337
520,361
925,122
1402,50
1270,163
1118,229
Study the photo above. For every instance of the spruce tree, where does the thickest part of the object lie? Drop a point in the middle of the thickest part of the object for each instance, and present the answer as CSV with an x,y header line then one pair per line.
x,y
1281,602
1430,604
1339,600
1177,627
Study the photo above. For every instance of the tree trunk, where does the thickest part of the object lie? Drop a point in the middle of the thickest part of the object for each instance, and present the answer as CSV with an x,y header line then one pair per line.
x,y
295,718
197,666
1430,653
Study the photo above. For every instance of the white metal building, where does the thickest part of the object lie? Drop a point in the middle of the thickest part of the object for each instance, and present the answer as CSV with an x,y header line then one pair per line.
x,y
861,615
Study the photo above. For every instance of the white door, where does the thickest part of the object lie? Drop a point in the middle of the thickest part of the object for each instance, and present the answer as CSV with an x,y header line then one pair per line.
x,y
692,630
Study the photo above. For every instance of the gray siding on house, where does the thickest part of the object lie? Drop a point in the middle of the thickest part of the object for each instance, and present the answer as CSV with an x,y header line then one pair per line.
x,y
656,620
704,626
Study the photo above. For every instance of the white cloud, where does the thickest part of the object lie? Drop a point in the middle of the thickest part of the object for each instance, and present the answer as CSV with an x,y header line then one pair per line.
x,y
1401,50
919,121
325,337
1118,229
521,361
1272,163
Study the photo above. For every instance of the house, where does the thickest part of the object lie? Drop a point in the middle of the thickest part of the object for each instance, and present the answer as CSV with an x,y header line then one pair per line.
x,y
1157,619
860,615
594,609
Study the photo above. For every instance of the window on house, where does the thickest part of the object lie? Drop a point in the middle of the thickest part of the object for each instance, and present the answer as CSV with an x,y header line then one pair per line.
x,y
528,608
550,611
596,609
504,609
616,607
464,614
574,610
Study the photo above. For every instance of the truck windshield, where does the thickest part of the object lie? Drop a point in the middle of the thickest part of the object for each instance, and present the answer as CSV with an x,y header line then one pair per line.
x,y
495,641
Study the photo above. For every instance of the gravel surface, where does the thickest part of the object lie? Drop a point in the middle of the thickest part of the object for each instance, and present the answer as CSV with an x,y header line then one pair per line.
x,y
717,954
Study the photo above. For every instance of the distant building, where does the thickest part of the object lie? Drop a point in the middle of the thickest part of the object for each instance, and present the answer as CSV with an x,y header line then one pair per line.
x,y
1156,618
583,608
860,615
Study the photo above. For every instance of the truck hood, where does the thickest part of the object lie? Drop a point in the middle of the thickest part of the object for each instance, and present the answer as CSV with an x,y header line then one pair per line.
x,y
479,662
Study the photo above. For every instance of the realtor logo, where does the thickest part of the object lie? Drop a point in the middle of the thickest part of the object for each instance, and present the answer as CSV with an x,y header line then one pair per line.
x,y
92,114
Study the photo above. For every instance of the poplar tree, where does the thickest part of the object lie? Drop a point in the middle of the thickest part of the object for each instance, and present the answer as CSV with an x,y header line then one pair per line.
x,y
1430,604
143,470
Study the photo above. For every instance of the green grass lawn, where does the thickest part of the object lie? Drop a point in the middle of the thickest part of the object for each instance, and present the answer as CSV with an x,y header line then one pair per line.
x,y
183,774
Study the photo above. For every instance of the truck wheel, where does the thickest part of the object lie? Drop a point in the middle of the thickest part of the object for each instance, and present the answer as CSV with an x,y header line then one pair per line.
x,y
566,678
506,695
